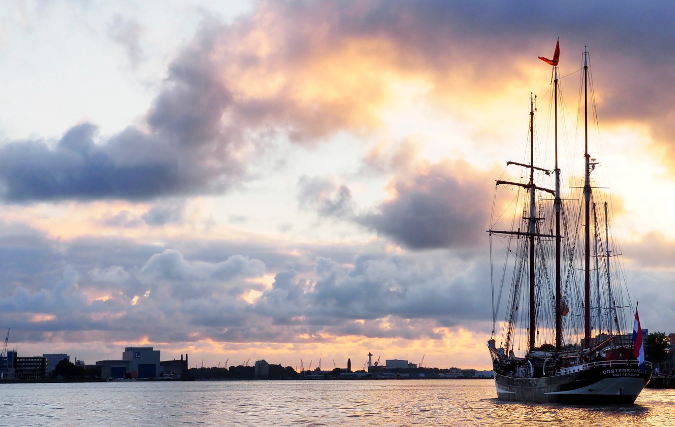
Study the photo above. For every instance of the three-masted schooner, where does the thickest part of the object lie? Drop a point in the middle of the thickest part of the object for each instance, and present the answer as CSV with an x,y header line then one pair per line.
x,y
577,367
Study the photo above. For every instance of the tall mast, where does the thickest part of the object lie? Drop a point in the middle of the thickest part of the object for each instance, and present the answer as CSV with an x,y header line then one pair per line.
x,y
532,225
597,268
557,203
587,197
612,310
531,233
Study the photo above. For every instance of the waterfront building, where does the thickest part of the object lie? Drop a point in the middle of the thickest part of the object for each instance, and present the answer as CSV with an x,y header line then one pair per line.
x,y
30,368
143,360
396,364
115,369
7,365
484,374
53,359
175,368
262,370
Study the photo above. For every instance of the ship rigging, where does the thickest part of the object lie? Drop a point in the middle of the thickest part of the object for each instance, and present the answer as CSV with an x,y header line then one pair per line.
x,y
568,342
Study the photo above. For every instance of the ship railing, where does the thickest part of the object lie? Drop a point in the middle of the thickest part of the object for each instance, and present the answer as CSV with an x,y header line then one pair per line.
x,y
602,364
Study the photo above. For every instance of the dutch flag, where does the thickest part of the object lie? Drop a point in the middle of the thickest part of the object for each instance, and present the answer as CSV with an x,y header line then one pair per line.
x,y
638,347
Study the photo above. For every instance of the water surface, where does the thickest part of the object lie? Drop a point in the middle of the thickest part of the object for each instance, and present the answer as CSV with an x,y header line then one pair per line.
x,y
307,403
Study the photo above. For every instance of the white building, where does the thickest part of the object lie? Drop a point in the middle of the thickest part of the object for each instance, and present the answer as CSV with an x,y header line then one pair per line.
x,y
484,374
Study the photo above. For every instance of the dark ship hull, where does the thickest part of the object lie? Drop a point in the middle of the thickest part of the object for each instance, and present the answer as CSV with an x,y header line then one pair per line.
x,y
600,383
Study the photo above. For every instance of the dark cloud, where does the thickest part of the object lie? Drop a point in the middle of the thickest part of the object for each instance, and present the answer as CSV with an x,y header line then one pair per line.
x,y
444,206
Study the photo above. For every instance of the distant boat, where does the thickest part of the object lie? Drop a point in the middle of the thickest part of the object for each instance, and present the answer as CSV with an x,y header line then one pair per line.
x,y
590,359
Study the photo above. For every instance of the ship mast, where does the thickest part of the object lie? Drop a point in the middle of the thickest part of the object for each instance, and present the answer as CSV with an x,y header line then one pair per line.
x,y
587,198
532,227
557,205
531,232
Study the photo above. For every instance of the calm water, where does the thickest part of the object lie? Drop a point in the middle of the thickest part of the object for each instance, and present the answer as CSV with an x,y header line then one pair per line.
x,y
308,403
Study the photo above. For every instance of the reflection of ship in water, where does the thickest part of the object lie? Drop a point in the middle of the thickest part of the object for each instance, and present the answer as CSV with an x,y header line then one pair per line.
x,y
563,337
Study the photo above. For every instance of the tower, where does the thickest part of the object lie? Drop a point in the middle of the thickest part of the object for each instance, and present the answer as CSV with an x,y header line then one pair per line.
x,y
349,365
370,359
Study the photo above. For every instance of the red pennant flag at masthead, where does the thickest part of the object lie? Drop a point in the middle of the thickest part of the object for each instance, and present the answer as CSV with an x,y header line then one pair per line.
x,y
556,56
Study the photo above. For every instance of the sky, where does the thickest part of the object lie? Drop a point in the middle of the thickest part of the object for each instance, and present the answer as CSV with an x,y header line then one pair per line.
x,y
305,180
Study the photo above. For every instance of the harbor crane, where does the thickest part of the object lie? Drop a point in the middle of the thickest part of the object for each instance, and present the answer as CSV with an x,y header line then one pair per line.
x,y
378,361
420,365
4,347
228,359
302,366
246,364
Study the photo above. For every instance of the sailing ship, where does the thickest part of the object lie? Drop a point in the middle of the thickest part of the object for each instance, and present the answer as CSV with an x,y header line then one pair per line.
x,y
563,337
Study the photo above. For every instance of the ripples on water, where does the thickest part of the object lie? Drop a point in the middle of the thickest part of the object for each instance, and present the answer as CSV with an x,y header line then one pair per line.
x,y
308,403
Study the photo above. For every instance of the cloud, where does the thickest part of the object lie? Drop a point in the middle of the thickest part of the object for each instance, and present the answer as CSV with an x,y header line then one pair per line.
x,y
60,297
139,291
399,158
329,199
182,148
308,70
190,279
122,219
160,215
113,274
651,251
445,205
144,292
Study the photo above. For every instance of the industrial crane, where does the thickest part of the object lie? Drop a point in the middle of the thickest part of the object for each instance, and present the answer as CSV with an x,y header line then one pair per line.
x,y
420,365
378,361
228,359
4,348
